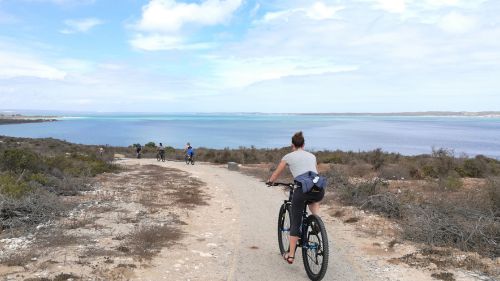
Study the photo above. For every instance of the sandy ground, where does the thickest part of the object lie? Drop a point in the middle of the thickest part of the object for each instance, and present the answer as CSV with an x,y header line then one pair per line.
x,y
233,237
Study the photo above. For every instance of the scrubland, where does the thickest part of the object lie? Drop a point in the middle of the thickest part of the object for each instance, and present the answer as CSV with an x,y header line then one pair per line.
x,y
444,202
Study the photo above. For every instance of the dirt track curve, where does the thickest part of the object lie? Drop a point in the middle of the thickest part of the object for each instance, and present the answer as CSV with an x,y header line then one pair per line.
x,y
234,237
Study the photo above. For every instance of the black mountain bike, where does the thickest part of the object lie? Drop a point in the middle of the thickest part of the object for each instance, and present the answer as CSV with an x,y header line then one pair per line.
x,y
189,159
160,156
313,238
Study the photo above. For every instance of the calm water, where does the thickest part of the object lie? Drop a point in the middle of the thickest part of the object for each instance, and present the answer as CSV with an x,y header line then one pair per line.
x,y
407,135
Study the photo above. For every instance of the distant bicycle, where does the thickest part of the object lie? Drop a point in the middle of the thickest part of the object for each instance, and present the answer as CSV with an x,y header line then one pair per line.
x,y
160,156
313,238
138,150
189,159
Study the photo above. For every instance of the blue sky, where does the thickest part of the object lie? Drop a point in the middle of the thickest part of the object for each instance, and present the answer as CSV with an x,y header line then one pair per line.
x,y
250,56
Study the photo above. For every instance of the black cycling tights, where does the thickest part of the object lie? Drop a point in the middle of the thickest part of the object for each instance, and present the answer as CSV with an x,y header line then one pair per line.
x,y
298,201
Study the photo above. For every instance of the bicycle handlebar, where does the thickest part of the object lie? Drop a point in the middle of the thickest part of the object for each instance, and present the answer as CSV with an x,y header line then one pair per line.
x,y
280,184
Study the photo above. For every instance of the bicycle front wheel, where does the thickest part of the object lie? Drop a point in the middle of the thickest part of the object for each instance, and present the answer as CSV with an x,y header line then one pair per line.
x,y
284,223
315,250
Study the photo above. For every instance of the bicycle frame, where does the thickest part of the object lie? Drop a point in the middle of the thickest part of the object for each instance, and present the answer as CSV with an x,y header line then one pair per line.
x,y
312,237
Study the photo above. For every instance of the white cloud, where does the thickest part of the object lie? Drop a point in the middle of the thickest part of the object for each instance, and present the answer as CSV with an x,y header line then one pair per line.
x,y
162,20
14,64
455,22
392,6
317,11
320,11
420,9
158,42
170,15
75,65
80,25
241,72
437,4
155,42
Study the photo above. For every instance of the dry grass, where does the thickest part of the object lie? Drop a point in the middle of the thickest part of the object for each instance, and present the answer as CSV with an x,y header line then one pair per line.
x,y
351,220
142,200
20,258
32,209
65,276
338,214
58,239
91,252
75,223
446,276
147,241
444,258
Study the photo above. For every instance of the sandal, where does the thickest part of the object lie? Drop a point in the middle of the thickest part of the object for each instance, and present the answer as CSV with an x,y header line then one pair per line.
x,y
289,259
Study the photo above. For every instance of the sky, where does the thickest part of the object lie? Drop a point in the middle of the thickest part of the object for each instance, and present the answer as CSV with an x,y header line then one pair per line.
x,y
250,55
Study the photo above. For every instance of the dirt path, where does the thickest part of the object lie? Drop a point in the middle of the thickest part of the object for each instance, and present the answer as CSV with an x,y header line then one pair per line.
x,y
240,225
172,221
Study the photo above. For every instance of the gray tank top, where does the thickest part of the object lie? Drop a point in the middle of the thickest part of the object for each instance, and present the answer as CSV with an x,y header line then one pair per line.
x,y
300,161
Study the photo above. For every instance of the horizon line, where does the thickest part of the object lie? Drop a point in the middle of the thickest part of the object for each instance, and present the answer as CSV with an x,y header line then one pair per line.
x,y
428,112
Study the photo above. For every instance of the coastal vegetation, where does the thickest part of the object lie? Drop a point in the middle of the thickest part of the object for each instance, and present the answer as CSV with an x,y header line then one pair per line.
x,y
440,164
438,199
19,119
36,174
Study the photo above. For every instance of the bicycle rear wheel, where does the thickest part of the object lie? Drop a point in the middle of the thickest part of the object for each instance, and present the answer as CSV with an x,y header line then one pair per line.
x,y
284,222
315,250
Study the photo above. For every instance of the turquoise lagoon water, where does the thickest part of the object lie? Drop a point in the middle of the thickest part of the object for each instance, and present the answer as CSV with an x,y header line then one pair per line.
x,y
403,134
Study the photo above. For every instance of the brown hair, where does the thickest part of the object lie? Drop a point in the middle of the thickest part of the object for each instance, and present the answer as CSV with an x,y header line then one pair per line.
x,y
298,139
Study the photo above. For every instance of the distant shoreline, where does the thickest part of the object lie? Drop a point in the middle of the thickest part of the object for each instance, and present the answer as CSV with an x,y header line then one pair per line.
x,y
21,119
23,114
410,114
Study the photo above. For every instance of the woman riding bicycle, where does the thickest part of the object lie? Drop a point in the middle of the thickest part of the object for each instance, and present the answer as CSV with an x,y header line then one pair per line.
x,y
161,151
189,151
303,167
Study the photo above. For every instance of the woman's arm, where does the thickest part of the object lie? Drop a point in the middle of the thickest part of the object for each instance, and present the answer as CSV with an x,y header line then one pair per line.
x,y
277,172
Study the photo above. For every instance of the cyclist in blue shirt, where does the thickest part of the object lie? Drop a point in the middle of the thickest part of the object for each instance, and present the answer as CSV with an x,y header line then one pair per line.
x,y
189,152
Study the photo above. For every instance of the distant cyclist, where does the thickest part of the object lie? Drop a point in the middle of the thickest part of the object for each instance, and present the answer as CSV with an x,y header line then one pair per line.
x,y
189,152
138,149
161,151
310,187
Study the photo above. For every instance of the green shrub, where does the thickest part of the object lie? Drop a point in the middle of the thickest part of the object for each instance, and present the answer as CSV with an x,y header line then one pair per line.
x,y
99,167
18,160
394,171
428,171
12,186
474,168
39,178
443,161
494,194
451,182
359,169
150,144
376,158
